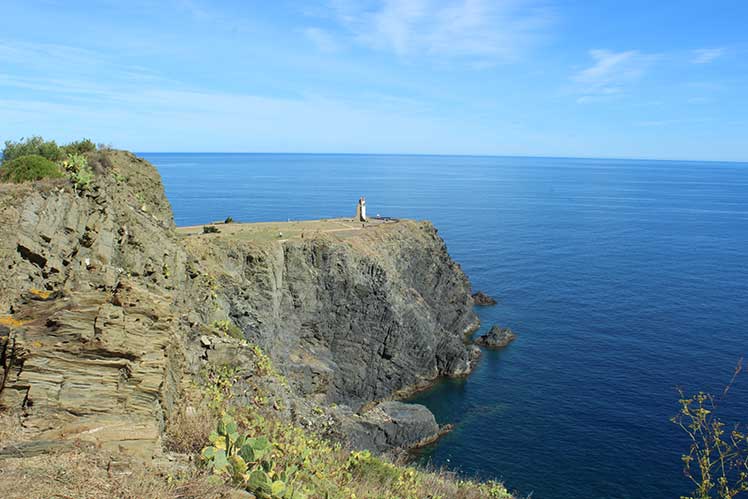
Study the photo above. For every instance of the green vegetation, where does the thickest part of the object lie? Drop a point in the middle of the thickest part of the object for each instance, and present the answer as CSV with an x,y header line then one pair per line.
x,y
34,159
32,146
29,168
229,220
45,148
254,448
228,328
76,165
247,462
79,147
210,229
717,461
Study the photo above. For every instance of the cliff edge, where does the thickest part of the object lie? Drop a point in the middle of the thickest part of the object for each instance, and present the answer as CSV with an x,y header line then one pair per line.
x,y
108,314
350,314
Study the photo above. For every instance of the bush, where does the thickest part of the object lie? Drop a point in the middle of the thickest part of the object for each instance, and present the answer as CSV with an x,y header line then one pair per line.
x,y
210,229
229,329
189,428
229,220
28,168
32,146
717,459
79,147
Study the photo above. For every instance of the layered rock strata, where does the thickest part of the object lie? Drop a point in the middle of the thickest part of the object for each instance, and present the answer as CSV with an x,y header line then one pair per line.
x,y
103,306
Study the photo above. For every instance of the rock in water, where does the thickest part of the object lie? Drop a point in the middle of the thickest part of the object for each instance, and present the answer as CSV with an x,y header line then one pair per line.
x,y
497,337
482,299
393,424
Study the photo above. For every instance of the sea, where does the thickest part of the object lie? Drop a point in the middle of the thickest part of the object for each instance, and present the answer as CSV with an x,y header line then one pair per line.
x,y
624,280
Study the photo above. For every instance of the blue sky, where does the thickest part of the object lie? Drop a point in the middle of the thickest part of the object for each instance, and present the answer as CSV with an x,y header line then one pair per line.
x,y
665,79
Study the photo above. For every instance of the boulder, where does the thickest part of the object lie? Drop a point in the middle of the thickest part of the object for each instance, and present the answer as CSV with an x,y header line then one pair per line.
x,y
482,299
497,337
393,425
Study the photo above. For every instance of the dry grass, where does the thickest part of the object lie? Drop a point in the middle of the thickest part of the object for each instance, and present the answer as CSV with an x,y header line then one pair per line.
x,y
188,430
84,472
340,228
90,474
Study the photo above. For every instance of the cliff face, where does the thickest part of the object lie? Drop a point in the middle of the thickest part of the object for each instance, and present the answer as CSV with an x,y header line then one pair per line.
x,y
89,344
56,240
104,311
349,320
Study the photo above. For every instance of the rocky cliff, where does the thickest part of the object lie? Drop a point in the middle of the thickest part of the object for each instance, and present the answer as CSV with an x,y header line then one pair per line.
x,y
348,320
107,313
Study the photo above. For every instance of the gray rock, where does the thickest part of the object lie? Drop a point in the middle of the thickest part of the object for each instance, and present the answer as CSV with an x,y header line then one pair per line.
x,y
497,337
349,321
393,425
482,299
108,313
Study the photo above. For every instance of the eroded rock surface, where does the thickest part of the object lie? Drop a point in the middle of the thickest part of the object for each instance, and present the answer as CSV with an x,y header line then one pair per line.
x,y
106,314
497,337
482,299
349,321
392,424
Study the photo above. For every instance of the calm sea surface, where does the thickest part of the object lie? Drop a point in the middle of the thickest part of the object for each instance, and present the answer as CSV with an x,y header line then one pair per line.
x,y
623,280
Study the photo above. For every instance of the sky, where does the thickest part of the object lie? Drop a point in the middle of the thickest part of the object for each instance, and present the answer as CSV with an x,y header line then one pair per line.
x,y
661,79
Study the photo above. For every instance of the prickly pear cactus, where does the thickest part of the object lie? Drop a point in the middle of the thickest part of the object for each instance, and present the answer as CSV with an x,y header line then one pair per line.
x,y
246,461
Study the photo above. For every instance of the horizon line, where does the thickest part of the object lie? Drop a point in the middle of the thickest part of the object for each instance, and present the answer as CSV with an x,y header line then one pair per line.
x,y
525,156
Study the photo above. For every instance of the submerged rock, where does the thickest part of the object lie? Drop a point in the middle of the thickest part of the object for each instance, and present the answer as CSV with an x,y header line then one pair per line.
x,y
497,337
482,299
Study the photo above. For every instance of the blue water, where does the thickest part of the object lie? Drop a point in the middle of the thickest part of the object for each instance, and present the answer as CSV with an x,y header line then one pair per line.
x,y
623,279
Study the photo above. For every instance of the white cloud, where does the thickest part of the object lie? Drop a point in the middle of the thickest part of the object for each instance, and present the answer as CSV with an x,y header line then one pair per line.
x,y
611,74
481,30
60,59
162,116
705,56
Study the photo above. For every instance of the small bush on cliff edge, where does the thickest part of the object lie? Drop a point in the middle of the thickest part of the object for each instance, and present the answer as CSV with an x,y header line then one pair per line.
x,y
35,158
29,168
32,146
45,148
79,147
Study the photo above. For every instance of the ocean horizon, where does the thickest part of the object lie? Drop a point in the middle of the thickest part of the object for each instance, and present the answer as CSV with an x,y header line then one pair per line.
x,y
623,279
456,155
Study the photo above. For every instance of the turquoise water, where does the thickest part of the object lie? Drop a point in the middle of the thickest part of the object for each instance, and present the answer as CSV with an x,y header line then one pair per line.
x,y
623,279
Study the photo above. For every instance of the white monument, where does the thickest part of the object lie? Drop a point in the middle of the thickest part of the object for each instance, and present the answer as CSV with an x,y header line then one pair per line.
x,y
361,210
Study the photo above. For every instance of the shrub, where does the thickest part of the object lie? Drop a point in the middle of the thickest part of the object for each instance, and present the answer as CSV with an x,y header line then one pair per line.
x,y
717,461
79,147
228,220
210,229
32,146
28,168
229,329
189,428
100,163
